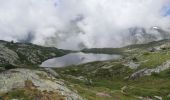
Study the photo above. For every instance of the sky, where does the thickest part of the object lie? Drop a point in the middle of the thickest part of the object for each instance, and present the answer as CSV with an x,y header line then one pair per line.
x,y
166,9
74,24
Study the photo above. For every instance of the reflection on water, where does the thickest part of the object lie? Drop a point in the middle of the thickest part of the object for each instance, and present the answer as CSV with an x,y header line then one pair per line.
x,y
76,59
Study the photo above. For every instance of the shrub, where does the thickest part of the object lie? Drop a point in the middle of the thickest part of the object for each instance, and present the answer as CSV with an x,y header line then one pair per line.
x,y
146,53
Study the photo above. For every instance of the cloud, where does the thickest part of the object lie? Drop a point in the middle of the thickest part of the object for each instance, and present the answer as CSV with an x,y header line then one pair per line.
x,y
73,24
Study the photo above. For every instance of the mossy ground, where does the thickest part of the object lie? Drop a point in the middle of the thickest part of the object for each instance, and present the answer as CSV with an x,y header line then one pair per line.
x,y
107,80
30,92
111,80
148,86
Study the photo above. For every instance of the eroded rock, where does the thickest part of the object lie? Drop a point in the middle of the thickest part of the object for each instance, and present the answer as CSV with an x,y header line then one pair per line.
x,y
15,78
145,71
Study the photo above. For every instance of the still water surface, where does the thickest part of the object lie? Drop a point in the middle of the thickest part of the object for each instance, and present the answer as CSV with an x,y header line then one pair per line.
x,y
76,59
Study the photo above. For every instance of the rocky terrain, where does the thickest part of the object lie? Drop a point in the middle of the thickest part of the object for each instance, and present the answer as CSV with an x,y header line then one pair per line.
x,y
142,73
18,79
22,79
19,54
140,35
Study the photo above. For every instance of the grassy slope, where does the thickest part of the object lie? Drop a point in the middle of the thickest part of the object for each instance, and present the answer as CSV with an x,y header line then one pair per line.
x,y
110,80
108,77
30,92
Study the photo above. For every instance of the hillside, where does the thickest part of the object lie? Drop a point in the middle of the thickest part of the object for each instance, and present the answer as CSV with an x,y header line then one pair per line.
x,y
143,72
26,54
22,79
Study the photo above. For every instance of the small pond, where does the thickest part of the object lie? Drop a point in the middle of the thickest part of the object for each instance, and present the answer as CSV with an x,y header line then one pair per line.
x,y
77,58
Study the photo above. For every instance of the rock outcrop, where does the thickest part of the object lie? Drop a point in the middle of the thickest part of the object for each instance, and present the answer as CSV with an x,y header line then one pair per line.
x,y
15,78
7,55
148,72
19,54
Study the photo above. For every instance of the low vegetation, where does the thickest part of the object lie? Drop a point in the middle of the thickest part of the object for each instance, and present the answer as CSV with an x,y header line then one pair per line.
x,y
26,54
29,92
110,79
100,80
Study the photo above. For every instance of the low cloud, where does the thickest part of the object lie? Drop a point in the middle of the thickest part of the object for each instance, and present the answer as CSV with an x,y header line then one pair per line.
x,y
75,24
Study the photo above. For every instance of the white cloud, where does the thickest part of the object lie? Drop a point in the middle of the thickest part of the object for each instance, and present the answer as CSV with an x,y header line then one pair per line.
x,y
60,22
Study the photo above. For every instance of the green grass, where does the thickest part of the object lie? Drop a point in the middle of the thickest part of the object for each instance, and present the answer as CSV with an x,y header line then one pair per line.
x,y
148,86
111,80
100,79
154,59
30,92
90,92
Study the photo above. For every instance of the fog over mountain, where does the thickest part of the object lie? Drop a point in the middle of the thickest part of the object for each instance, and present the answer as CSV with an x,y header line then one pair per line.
x,y
76,24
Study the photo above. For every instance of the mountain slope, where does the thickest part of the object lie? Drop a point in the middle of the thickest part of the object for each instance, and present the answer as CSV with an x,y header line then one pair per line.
x,y
23,54
143,73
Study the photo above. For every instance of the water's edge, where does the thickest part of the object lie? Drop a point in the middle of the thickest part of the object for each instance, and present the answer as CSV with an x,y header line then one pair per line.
x,y
77,58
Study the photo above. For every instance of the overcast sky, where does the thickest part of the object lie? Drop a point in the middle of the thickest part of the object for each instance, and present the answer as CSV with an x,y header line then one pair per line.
x,y
72,24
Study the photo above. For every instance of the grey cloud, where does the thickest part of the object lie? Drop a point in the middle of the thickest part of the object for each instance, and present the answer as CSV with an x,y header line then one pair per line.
x,y
74,24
